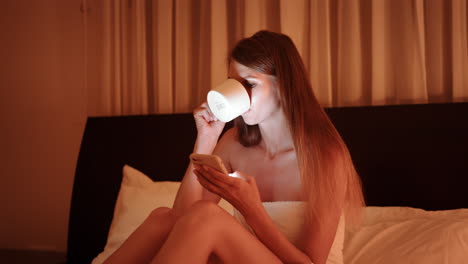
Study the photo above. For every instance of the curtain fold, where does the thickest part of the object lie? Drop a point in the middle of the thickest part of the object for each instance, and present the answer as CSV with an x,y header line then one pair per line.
x,y
163,56
460,49
162,49
319,61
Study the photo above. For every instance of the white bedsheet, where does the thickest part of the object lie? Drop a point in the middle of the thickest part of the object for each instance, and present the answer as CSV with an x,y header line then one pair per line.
x,y
409,235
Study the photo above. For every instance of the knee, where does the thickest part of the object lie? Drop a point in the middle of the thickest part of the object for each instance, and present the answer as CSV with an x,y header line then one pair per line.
x,y
160,212
205,211
201,215
160,217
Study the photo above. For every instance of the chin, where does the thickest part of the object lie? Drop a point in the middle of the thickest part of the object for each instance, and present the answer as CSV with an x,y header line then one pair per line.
x,y
250,123
249,120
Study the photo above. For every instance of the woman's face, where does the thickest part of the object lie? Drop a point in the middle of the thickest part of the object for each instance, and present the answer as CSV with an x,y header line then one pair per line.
x,y
263,91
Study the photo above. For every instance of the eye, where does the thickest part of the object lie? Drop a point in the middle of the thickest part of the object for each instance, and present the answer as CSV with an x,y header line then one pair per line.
x,y
250,84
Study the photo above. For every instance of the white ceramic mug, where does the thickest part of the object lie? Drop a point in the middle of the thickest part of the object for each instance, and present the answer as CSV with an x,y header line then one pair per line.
x,y
228,100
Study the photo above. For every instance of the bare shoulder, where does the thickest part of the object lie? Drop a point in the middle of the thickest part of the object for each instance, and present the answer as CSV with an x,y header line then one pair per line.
x,y
228,139
230,133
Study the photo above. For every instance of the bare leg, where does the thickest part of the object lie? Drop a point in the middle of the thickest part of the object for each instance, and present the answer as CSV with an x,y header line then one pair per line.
x,y
143,244
207,229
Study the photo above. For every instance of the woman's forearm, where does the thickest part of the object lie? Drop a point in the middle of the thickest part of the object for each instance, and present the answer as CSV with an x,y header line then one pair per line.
x,y
190,189
266,230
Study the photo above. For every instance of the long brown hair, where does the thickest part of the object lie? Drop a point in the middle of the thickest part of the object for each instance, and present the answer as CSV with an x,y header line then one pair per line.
x,y
329,179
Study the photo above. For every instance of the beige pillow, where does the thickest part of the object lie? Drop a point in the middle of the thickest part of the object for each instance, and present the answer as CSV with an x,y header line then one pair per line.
x,y
138,196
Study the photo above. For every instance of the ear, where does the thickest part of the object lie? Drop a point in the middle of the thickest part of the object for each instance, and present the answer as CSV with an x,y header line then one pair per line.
x,y
276,89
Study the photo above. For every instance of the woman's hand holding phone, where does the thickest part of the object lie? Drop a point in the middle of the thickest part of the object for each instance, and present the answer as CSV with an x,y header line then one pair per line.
x,y
212,161
240,189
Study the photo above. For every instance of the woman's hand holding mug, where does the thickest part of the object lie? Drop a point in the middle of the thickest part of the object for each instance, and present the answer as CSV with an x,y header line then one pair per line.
x,y
208,126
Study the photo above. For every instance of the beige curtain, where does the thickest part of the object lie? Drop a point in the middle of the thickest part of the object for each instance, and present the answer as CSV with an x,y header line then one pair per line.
x,y
163,56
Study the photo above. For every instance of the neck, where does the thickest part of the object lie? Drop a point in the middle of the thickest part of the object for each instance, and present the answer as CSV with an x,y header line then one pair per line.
x,y
276,136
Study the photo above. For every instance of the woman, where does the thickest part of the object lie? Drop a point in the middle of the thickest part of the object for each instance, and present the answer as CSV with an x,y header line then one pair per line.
x,y
285,148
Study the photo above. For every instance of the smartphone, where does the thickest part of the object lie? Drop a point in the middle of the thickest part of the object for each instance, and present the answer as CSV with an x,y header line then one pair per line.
x,y
213,161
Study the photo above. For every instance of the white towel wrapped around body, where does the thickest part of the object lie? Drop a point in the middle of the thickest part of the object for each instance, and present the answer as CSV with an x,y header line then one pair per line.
x,y
288,216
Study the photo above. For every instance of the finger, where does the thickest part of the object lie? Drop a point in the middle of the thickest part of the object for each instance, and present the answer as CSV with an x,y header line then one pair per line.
x,y
210,116
202,179
249,179
207,107
201,108
219,178
205,113
198,110
210,113
201,173
206,183
236,175
213,117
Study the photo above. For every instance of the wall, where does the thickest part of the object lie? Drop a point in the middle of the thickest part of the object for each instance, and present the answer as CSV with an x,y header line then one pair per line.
x,y
43,112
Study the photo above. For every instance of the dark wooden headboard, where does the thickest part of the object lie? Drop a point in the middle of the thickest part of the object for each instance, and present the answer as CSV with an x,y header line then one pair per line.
x,y
406,155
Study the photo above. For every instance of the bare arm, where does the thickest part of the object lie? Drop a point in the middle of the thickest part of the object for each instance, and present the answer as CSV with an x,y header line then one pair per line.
x,y
209,130
319,236
190,189
320,233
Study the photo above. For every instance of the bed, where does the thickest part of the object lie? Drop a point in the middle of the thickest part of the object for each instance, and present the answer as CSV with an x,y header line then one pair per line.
x,y
412,159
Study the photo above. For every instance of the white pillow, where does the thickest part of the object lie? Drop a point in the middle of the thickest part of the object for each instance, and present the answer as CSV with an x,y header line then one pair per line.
x,y
138,196
409,235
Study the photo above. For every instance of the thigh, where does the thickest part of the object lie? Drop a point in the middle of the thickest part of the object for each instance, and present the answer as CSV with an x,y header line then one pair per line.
x,y
207,233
